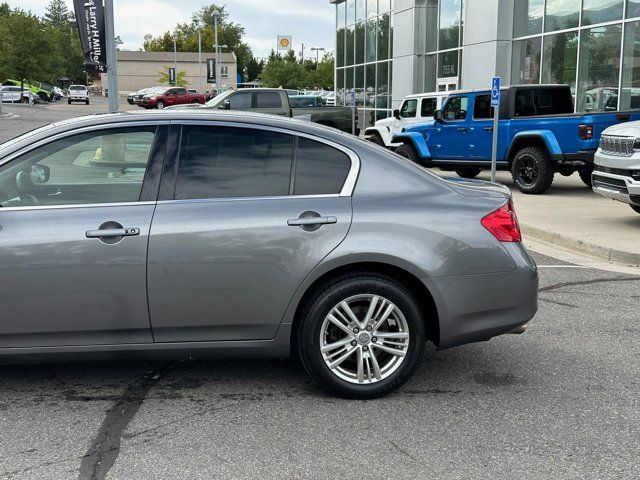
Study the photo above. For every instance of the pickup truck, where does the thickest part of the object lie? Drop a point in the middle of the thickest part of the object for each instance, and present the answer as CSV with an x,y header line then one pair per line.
x,y
170,96
617,164
275,101
538,135
418,108
46,95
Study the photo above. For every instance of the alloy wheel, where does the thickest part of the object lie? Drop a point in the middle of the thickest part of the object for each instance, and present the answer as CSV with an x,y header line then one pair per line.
x,y
528,169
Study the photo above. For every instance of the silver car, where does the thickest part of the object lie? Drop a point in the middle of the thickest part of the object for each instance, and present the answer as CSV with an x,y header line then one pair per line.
x,y
180,233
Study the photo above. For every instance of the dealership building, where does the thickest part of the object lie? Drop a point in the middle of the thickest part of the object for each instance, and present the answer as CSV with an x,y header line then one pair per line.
x,y
387,49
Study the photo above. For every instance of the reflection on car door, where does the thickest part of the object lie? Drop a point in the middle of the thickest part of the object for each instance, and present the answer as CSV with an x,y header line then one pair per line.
x,y
73,239
229,245
449,137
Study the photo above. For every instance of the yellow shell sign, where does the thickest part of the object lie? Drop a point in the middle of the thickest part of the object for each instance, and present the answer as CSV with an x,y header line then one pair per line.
x,y
284,42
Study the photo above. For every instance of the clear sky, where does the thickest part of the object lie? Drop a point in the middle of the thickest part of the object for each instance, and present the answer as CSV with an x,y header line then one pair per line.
x,y
311,22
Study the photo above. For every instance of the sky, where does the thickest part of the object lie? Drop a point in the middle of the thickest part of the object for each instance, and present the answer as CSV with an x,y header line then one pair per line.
x,y
311,22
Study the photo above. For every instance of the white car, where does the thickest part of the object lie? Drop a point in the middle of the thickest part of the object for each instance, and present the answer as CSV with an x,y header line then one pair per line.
x,y
616,172
78,93
12,94
417,108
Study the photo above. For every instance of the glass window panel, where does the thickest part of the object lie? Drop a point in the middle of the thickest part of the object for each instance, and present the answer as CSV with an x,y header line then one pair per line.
x,y
560,59
561,14
240,100
599,11
268,100
361,11
320,169
222,162
341,14
359,86
431,26
449,29
448,64
383,37
370,84
455,108
340,36
349,45
351,11
633,8
340,87
599,68
348,83
430,73
384,6
382,85
527,17
428,106
409,108
390,54
630,99
372,8
525,66
360,35
371,41
380,114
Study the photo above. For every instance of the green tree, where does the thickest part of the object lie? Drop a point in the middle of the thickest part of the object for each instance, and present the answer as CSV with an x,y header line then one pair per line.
x,y
181,77
323,75
284,73
58,15
253,70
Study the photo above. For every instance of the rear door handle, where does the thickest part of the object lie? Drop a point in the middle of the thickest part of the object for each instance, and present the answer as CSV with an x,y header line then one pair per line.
x,y
310,221
113,232
462,129
488,129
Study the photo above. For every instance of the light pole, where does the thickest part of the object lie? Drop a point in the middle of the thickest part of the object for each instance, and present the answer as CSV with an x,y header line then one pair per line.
x,y
112,73
175,59
200,28
216,14
317,50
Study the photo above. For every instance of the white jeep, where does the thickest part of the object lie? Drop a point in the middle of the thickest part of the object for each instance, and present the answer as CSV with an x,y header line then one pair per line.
x,y
417,108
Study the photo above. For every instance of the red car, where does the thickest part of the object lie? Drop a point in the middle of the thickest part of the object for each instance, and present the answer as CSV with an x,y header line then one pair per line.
x,y
171,96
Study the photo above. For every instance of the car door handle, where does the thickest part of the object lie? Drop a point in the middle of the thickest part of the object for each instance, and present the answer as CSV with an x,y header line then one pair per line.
x,y
113,232
462,129
310,221
488,129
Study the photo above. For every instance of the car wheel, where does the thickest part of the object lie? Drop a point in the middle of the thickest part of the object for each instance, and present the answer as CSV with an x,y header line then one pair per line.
x,y
43,97
361,336
160,105
585,175
532,170
468,172
407,151
377,139
87,102
196,101
69,102
635,208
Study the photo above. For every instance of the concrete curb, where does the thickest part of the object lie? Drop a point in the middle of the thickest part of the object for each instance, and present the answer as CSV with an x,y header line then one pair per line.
x,y
581,247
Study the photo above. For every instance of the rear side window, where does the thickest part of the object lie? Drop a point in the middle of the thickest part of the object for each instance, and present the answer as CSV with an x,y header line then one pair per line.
x,y
222,162
240,100
320,169
482,107
268,100
429,106
542,101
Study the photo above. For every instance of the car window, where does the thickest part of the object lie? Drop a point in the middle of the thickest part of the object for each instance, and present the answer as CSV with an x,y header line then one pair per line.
x,y
179,91
320,169
428,106
268,100
409,108
455,109
482,107
106,166
240,100
222,162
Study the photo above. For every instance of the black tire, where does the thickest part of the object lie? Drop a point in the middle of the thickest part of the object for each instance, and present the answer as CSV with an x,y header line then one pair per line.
x,y
69,102
377,139
585,175
408,151
160,105
43,97
196,101
87,102
330,295
532,170
635,208
468,172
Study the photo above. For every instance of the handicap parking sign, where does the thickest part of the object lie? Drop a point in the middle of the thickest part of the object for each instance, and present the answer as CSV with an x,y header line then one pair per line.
x,y
495,92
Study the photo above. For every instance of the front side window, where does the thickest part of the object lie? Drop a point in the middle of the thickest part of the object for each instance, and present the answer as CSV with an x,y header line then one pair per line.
x,y
409,109
241,100
320,169
455,109
105,166
223,162
429,106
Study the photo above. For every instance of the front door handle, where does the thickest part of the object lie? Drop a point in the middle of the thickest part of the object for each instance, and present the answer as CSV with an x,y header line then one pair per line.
x,y
462,129
311,221
488,129
113,232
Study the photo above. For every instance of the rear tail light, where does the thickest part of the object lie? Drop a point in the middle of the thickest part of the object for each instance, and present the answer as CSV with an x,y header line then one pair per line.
x,y
585,132
503,224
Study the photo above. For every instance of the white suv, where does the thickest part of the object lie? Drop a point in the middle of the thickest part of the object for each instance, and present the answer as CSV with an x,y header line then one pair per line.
x,y
78,93
616,172
416,108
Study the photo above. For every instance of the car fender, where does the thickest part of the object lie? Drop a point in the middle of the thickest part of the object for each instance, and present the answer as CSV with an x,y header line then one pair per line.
x,y
383,132
416,139
547,136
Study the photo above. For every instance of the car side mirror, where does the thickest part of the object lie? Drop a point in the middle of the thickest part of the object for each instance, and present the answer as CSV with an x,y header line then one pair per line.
x,y
226,105
39,173
396,114
437,116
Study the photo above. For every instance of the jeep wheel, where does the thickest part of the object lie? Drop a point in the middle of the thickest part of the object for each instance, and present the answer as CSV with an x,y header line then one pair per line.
x,y
532,170
375,138
585,175
468,172
407,151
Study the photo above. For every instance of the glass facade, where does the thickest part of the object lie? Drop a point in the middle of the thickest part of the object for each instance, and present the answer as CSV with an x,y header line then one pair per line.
x,y
364,36
591,45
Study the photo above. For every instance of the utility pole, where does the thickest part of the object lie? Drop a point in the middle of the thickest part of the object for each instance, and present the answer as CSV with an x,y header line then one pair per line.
x,y
200,27
175,59
216,14
112,73
302,55
317,50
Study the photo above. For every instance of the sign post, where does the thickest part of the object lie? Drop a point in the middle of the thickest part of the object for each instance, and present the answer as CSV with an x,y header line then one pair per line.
x,y
172,76
495,103
352,103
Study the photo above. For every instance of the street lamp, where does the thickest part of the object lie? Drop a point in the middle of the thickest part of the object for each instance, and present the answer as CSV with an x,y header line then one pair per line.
x,y
200,27
317,50
216,15
175,59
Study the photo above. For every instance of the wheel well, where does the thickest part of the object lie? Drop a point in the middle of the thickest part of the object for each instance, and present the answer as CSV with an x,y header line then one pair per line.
x,y
417,289
525,142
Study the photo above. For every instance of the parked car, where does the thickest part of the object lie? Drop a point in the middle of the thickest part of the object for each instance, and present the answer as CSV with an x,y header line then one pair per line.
x,y
169,96
11,94
215,233
330,100
414,109
78,93
44,94
538,135
617,164
276,101
134,98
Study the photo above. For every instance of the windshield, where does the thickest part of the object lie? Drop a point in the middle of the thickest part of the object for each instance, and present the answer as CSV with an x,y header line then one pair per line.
x,y
217,101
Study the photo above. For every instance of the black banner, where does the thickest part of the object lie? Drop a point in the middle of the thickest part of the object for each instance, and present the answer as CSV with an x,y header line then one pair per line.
x,y
211,70
172,76
90,20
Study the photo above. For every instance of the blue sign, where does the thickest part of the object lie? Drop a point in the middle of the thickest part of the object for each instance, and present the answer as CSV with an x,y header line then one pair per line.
x,y
353,98
495,92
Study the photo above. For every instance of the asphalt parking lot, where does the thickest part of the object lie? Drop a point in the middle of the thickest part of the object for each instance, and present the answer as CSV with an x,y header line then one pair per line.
x,y
560,401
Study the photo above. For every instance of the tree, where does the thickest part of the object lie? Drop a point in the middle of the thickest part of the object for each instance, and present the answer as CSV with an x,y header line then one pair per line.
x,y
58,15
323,75
283,73
181,77
253,70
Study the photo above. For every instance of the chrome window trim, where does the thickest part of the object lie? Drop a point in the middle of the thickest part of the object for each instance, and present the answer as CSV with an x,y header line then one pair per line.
x,y
348,186
243,199
71,205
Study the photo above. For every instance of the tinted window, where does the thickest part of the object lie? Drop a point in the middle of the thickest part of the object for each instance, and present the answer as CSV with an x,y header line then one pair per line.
x,y
268,100
320,169
542,101
409,109
106,166
219,162
482,107
455,109
240,100
428,107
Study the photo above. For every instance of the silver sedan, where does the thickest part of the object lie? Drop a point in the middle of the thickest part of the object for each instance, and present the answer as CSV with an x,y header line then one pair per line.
x,y
220,234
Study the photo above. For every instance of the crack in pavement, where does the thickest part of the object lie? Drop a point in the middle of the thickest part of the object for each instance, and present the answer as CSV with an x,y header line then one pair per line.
x,y
555,302
105,447
588,282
